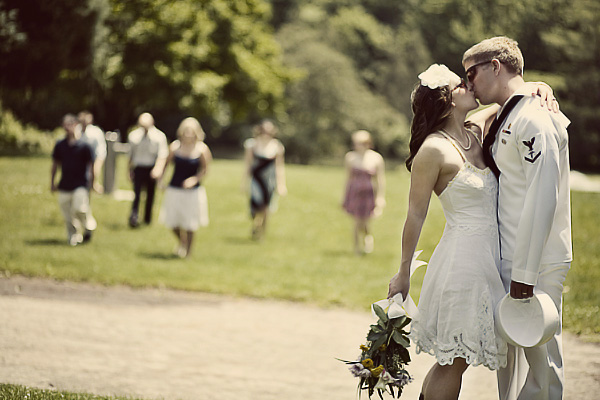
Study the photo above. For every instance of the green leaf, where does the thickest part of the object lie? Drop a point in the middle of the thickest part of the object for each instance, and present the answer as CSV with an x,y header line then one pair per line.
x,y
380,313
400,339
373,336
377,343
398,322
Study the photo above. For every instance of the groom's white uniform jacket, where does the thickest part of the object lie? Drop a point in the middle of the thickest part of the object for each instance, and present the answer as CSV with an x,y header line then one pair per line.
x,y
532,153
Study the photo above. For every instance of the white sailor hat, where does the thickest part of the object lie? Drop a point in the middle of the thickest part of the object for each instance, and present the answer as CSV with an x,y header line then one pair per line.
x,y
527,322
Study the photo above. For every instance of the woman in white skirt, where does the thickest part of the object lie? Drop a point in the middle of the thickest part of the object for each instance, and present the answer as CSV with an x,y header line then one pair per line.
x,y
185,207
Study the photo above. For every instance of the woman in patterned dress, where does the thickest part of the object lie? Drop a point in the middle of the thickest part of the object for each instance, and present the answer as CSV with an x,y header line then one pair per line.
x,y
264,176
365,189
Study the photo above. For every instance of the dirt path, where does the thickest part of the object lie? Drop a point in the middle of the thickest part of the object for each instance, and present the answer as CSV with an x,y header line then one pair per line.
x,y
162,344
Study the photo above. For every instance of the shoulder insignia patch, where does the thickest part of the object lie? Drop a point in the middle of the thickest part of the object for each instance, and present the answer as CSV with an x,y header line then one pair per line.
x,y
531,156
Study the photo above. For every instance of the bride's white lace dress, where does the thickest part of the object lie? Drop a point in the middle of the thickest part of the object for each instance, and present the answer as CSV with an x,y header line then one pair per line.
x,y
462,284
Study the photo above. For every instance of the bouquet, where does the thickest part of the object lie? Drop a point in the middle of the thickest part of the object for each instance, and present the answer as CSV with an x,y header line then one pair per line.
x,y
381,365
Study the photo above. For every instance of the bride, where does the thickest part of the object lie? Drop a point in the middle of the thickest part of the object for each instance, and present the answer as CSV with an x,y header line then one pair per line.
x,y
462,284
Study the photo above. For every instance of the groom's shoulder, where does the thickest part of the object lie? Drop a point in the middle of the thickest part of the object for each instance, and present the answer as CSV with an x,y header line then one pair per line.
x,y
530,115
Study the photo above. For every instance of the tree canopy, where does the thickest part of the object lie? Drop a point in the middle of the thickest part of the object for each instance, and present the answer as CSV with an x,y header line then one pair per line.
x,y
321,68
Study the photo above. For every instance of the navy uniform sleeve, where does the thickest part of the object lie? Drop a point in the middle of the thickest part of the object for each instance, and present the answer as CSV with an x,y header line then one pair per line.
x,y
538,145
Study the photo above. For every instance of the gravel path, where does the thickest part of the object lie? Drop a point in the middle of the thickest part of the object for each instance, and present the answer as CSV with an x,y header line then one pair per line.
x,y
160,344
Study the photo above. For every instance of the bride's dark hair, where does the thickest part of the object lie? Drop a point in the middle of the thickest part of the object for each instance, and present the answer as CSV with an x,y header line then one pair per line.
x,y
431,109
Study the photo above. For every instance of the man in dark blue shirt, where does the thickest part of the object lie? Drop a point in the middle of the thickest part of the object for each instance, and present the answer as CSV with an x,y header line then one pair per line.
x,y
75,160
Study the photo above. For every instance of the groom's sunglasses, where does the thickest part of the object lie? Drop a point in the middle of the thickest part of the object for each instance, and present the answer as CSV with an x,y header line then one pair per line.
x,y
472,71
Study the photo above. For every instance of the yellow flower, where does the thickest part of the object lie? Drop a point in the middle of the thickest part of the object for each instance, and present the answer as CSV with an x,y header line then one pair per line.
x,y
364,348
383,347
377,371
368,363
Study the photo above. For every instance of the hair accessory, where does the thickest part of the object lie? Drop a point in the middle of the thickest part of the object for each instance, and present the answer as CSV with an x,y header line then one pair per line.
x,y
438,75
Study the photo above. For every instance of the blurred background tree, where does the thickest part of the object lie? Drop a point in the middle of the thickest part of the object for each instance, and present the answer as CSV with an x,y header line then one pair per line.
x,y
321,68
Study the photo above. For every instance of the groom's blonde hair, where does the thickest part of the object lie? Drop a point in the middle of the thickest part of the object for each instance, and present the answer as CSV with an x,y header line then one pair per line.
x,y
502,48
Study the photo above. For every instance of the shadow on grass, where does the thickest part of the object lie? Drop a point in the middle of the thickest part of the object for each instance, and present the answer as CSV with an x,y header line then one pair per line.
x,y
338,253
240,240
159,256
46,242
116,226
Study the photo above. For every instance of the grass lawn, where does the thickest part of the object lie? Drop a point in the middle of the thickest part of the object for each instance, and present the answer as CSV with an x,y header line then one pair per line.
x,y
306,255
13,392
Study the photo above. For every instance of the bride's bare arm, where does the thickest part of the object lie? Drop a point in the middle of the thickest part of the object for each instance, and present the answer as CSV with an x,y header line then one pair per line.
x,y
544,91
483,118
425,171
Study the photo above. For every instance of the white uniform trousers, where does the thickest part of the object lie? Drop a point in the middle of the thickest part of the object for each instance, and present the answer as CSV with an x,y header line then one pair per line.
x,y
536,373
74,206
90,221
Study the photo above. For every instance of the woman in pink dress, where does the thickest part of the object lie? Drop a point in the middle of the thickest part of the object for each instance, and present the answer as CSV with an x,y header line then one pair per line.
x,y
365,189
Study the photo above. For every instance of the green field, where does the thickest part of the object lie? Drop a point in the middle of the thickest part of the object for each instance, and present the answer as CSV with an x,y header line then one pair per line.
x,y
306,256
14,392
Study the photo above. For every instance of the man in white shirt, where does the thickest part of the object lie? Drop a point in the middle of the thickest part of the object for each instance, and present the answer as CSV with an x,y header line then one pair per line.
x,y
527,148
148,151
93,137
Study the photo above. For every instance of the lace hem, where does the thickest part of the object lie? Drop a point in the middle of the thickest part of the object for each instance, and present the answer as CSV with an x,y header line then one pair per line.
x,y
479,347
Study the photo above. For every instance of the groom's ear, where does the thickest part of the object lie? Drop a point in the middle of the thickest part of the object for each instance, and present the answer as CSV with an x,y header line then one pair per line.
x,y
497,66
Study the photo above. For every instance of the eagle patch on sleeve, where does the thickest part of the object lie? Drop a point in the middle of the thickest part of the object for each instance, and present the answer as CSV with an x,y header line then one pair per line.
x,y
531,155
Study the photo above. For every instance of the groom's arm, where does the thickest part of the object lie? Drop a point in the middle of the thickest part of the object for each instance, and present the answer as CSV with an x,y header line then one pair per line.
x,y
538,147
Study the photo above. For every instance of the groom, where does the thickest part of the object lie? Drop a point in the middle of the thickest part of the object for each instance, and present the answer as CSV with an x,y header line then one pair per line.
x,y
527,148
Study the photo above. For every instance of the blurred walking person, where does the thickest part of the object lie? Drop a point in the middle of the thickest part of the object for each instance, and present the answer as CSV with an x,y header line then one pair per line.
x,y
93,136
185,207
365,189
264,178
75,159
148,151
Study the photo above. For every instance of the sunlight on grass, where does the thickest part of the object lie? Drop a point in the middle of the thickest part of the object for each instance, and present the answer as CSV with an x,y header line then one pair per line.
x,y
13,392
306,256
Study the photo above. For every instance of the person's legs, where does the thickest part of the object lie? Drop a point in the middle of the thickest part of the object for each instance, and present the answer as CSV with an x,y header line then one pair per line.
x,y
177,233
512,377
358,236
443,382
137,189
64,201
150,190
545,378
181,249
80,208
90,221
363,241
536,373
368,238
258,224
189,240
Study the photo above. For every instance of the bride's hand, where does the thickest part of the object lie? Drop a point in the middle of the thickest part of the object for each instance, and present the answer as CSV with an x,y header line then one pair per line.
x,y
544,91
398,285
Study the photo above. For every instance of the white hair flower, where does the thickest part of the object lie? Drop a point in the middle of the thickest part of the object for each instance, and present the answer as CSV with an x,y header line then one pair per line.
x,y
438,75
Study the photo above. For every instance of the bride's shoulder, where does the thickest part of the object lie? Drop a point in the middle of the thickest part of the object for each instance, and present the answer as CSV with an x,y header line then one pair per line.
x,y
433,148
435,142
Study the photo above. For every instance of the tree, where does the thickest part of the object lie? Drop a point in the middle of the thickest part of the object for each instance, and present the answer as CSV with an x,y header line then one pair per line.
x,y
331,101
214,59
46,53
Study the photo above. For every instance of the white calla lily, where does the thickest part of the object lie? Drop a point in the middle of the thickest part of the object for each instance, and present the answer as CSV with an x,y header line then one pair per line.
x,y
398,306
